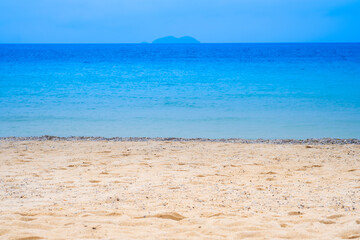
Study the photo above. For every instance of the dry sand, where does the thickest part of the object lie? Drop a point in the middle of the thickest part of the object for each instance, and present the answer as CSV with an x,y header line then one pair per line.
x,y
178,190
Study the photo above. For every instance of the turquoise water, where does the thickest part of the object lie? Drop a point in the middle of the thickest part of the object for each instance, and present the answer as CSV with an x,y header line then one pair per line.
x,y
200,90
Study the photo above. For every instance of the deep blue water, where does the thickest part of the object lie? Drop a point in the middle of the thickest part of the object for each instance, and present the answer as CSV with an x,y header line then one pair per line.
x,y
204,90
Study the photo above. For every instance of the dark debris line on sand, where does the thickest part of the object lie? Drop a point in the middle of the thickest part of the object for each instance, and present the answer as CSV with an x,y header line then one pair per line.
x,y
311,141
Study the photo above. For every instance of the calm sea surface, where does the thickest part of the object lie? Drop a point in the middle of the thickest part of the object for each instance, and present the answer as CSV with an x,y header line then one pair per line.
x,y
205,90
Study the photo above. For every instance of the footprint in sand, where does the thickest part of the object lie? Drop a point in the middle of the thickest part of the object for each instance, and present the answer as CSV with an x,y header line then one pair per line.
x,y
270,179
327,222
27,214
336,216
316,166
168,215
271,172
114,214
295,213
27,219
215,215
94,181
171,215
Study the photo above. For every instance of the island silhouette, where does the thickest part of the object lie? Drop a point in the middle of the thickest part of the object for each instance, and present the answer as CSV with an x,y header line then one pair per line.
x,y
172,39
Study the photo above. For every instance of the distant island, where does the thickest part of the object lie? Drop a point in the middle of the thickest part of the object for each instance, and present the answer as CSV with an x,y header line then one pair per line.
x,y
171,39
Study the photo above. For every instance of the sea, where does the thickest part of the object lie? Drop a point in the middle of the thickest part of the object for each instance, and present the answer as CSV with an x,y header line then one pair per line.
x,y
251,91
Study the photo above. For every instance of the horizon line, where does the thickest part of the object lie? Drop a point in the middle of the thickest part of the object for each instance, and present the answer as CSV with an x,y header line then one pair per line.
x,y
149,43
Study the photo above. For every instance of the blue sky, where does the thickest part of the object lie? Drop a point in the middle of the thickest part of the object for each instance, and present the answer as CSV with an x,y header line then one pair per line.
x,y
133,21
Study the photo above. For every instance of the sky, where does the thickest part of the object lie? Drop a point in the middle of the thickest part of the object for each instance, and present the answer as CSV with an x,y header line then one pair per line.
x,y
209,21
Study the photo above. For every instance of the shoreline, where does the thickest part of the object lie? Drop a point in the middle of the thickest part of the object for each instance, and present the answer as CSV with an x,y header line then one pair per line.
x,y
311,141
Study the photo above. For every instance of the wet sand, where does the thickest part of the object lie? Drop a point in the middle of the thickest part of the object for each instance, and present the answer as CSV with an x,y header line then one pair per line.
x,y
178,190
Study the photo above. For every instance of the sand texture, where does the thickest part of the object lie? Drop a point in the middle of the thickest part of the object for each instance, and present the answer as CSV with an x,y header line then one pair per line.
x,y
178,190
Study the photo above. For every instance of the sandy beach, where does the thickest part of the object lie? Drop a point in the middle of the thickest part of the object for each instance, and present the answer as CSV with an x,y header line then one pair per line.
x,y
178,190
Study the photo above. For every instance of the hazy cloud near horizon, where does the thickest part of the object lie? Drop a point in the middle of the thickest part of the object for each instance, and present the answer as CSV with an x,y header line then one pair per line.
x,y
132,21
